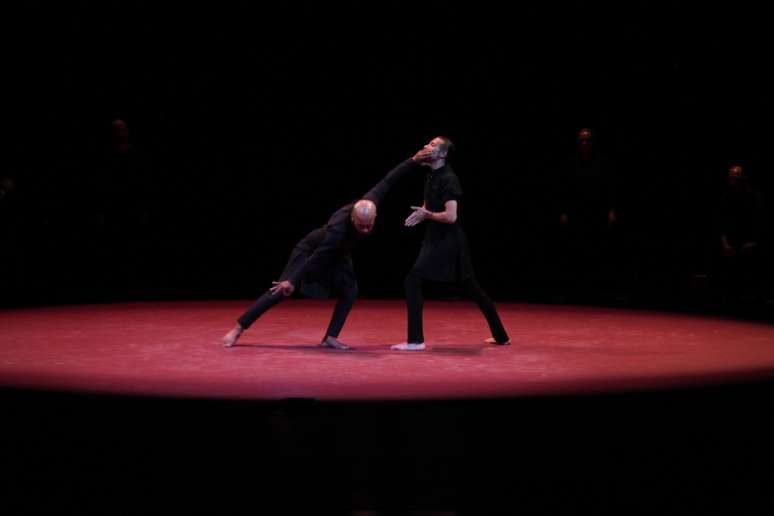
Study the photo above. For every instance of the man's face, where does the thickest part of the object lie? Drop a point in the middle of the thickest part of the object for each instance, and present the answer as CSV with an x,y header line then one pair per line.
x,y
438,148
364,224
120,130
734,174
584,140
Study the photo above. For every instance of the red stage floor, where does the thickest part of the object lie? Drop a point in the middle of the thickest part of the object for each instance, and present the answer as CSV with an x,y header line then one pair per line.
x,y
174,349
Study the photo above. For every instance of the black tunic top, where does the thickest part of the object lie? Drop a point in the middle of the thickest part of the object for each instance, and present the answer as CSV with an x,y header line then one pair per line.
x,y
445,255
742,215
324,253
587,191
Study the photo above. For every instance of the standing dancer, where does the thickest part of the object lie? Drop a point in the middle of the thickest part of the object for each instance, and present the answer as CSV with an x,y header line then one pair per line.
x,y
444,256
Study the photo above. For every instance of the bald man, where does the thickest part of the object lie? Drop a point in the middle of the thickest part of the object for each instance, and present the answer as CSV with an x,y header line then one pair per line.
x,y
321,262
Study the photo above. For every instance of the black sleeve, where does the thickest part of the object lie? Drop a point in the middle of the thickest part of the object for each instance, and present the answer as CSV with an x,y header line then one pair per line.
x,y
722,215
611,183
451,189
564,179
335,233
760,218
377,193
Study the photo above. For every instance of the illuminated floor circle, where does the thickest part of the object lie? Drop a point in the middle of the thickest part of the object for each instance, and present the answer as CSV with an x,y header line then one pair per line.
x,y
173,349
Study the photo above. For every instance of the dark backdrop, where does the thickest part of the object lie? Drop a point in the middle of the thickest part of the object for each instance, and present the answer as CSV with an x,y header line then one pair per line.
x,y
250,123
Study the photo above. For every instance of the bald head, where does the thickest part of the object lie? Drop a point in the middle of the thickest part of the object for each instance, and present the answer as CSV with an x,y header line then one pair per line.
x,y
364,216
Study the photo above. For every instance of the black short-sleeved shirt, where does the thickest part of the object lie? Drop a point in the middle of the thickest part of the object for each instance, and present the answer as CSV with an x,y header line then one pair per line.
x,y
742,215
445,255
587,191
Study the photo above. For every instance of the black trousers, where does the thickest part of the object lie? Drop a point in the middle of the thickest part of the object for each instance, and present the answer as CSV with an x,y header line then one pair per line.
x,y
471,289
345,290
345,300
741,275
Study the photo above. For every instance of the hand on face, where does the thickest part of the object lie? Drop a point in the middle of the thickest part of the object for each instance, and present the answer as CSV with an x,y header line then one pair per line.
x,y
424,156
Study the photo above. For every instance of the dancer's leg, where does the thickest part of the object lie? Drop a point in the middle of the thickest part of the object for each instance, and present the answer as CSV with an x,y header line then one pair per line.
x,y
414,305
477,294
346,298
258,308
266,301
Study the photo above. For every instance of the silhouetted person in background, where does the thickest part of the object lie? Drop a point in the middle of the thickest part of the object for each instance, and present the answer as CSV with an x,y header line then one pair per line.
x,y
10,252
128,181
587,215
742,231
121,212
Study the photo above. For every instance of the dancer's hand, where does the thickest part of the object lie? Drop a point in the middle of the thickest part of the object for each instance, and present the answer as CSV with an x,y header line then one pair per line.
x,y
423,156
284,287
418,216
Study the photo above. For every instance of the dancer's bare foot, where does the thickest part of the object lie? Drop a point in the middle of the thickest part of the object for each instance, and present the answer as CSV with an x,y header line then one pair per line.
x,y
332,342
231,337
491,340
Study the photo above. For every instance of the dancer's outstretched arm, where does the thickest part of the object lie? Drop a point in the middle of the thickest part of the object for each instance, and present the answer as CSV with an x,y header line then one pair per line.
x,y
377,193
